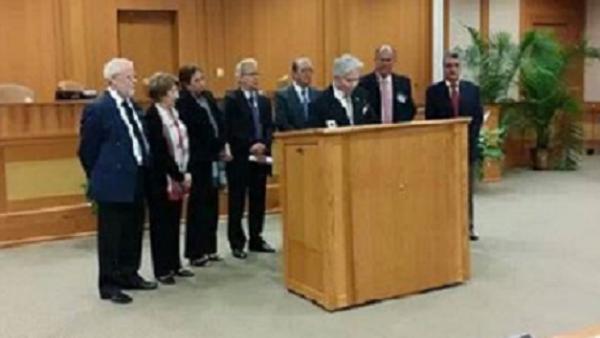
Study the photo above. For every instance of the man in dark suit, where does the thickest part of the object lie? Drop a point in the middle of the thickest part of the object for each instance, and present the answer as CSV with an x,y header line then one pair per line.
x,y
204,121
115,156
390,94
248,132
452,98
291,102
342,103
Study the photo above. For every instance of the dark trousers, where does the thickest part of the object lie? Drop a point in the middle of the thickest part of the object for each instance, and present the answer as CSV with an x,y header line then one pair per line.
x,y
165,219
243,178
120,232
202,214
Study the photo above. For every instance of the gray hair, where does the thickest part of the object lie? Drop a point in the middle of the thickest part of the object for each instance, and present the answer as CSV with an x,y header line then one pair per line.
x,y
345,64
300,63
450,55
116,66
243,65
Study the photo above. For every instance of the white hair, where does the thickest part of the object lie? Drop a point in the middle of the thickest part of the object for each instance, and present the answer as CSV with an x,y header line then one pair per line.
x,y
116,66
243,65
345,64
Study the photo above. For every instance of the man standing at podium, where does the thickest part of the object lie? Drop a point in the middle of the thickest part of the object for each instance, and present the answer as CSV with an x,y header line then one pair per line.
x,y
291,102
390,94
452,98
343,103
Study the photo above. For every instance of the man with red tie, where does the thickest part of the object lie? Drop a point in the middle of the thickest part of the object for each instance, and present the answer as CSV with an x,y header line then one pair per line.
x,y
453,98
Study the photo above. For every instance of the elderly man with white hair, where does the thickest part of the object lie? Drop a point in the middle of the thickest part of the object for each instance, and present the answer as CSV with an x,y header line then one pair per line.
x,y
115,154
248,132
390,94
291,102
343,103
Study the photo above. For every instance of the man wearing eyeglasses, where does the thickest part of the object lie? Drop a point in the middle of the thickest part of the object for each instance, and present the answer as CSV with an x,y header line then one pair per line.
x,y
452,98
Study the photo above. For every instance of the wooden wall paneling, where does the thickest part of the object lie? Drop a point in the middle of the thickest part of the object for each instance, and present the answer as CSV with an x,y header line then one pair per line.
x,y
40,119
202,43
238,21
81,35
101,38
406,25
215,47
485,18
149,39
28,55
72,44
2,182
332,36
284,30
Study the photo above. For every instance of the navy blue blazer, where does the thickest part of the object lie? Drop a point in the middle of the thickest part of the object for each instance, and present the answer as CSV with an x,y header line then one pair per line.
x,y
403,104
439,106
289,113
106,152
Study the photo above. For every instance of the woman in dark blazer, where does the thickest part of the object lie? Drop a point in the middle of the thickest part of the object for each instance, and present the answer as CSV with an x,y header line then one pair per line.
x,y
169,180
204,123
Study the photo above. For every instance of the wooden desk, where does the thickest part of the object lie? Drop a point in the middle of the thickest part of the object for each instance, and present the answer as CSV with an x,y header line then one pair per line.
x,y
40,178
41,193
374,212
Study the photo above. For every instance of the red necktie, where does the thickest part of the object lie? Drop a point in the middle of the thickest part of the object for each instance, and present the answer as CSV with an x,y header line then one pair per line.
x,y
455,98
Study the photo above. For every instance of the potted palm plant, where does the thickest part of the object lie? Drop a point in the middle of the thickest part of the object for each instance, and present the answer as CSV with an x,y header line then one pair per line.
x,y
492,154
546,105
492,64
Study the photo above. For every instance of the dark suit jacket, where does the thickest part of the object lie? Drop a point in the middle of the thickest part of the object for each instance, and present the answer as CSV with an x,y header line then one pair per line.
x,y
204,146
162,163
403,104
439,106
289,114
327,107
106,152
239,126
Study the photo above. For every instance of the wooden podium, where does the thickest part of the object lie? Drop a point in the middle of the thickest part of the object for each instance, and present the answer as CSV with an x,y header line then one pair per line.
x,y
374,212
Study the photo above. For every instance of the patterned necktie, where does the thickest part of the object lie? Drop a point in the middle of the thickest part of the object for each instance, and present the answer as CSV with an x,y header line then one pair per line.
x,y
455,98
256,117
349,109
136,131
305,101
203,102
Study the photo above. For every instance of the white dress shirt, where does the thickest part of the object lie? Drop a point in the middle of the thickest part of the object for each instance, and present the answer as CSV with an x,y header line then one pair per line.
x,y
300,92
346,102
449,85
137,149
